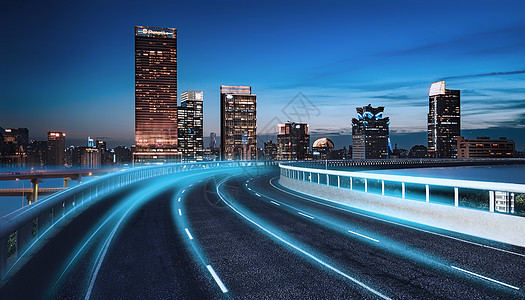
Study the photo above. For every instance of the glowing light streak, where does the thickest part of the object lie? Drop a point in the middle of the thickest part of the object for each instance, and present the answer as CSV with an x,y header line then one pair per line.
x,y
217,279
395,223
486,278
188,233
362,235
305,215
299,249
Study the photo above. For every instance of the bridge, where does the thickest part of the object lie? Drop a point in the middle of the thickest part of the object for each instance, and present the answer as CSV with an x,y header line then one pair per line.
x,y
36,177
261,230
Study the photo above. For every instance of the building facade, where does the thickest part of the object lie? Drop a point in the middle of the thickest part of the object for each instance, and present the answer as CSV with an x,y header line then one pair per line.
x,y
238,123
485,147
322,148
270,150
190,119
370,133
293,141
155,95
56,148
444,122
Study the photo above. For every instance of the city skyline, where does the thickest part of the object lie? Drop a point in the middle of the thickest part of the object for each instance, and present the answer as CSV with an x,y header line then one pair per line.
x,y
371,63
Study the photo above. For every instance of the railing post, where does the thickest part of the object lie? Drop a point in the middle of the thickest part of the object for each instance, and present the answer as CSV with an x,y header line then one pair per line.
x,y
338,181
351,183
3,255
382,187
427,192
327,180
366,186
491,201
456,197
403,190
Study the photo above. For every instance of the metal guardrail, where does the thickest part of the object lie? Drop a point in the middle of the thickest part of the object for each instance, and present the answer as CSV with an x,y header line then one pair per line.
x,y
347,179
19,229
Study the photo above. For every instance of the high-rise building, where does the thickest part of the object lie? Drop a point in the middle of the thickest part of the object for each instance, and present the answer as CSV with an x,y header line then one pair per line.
x,y
13,146
270,150
444,124
485,147
322,148
293,141
190,126
121,155
370,133
213,140
238,123
56,148
155,95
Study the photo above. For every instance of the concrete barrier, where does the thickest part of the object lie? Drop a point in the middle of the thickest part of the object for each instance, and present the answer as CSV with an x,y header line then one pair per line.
x,y
494,226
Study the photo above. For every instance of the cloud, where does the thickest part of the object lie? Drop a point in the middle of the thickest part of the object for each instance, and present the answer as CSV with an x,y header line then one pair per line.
x,y
485,75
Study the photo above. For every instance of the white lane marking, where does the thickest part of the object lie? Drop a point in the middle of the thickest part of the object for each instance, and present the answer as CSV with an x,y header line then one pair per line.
x,y
275,203
179,199
190,185
486,278
399,224
305,215
298,248
217,279
183,191
180,213
362,235
189,234
257,195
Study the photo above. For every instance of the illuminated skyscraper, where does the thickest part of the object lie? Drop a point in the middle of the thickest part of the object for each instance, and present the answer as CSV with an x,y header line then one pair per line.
x,y
56,148
444,126
370,132
190,126
293,141
238,123
155,95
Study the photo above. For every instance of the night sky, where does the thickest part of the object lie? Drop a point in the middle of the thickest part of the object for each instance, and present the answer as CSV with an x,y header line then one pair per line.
x,y
69,65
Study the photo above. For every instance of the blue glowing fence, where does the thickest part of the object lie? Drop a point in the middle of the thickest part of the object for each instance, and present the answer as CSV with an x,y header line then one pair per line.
x,y
24,227
494,197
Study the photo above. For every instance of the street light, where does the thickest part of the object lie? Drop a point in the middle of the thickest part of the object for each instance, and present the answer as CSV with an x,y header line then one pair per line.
x,y
18,179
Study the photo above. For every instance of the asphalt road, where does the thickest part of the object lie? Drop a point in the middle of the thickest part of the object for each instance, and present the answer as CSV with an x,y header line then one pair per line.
x,y
237,234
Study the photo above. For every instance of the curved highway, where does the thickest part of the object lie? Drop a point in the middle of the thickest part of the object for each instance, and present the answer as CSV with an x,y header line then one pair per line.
x,y
237,233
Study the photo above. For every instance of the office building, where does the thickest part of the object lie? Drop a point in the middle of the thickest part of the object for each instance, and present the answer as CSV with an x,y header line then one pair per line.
x,y
13,146
370,133
444,123
190,121
121,155
56,148
213,140
238,123
155,95
270,150
485,147
293,141
322,148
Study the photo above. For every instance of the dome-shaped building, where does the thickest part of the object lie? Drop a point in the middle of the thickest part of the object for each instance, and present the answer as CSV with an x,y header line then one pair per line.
x,y
322,148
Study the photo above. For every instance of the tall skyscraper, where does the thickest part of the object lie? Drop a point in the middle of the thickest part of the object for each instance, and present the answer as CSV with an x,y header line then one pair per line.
x,y
238,123
444,126
370,133
293,141
213,140
56,148
190,126
155,95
